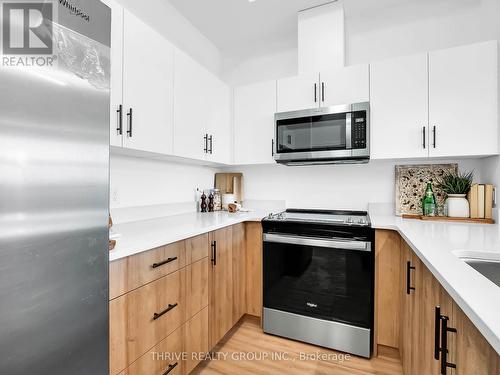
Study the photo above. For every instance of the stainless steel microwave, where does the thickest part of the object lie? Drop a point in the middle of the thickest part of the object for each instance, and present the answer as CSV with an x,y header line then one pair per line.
x,y
339,134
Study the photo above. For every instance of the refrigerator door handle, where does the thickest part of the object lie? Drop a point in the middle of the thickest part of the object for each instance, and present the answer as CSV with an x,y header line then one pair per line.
x,y
119,111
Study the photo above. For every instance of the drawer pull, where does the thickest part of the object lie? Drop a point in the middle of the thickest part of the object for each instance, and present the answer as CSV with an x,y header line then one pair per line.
x,y
170,368
169,260
170,307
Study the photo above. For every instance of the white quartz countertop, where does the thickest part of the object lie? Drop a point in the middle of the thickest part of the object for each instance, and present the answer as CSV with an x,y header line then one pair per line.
x,y
435,244
139,236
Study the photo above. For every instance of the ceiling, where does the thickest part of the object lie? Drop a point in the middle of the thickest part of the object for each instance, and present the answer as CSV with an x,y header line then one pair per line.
x,y
244,28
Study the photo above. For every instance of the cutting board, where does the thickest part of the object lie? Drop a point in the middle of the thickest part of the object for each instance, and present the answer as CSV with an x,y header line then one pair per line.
x,y
230,183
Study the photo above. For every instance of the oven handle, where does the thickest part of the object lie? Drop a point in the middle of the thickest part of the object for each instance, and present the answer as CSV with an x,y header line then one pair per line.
x,y
336,243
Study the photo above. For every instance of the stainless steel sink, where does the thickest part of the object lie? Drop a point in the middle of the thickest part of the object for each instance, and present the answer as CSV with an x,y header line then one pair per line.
x,y
488,269
486,263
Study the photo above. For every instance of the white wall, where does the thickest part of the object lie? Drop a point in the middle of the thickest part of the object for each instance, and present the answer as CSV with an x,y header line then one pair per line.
x,y
419,26
144,182
407,28
164,18
281,64
331,187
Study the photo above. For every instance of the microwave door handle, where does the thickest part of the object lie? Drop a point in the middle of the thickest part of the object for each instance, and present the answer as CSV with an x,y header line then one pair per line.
x,y
318,242
348,130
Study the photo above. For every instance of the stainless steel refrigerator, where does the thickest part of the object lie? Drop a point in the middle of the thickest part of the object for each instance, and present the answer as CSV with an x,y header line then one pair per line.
x,y
54,178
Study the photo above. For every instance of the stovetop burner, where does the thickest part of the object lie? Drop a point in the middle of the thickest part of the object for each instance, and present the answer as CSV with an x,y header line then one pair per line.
x,y
354,218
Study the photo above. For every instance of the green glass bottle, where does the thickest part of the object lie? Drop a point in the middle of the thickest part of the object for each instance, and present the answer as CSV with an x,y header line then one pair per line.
x,y
429,206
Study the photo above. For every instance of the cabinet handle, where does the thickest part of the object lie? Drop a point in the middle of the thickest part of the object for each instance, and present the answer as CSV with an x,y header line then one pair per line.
x,y
205,139
161,313
444,342
170,368
323,92
214,252
437,327
119,111
169,260
129,130
423,137
315,93
409,267
434,137
272,147
210,139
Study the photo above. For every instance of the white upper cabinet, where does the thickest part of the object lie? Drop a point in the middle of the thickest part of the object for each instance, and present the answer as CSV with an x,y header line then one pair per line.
x,y
463,100
116,98
190,103
332,87
254,108
219,121
147,88
202,112
399,108
297,93
345,86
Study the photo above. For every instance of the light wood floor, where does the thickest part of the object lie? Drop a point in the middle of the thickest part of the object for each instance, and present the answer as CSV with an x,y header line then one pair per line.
x,y
247,337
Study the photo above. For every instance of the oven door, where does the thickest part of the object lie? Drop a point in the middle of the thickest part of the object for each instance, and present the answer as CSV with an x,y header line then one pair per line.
x,y
328,279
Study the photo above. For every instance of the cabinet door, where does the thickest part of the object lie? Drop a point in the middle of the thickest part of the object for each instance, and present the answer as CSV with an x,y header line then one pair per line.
x,y
221,291
147,88
239,272
406,312
474,355
219,121
116,94
345,86
399,108
429,300
463,100
190,107
297,93
254,108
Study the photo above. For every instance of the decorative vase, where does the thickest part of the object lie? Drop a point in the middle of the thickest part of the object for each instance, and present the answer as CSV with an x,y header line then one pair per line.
x,y
458,205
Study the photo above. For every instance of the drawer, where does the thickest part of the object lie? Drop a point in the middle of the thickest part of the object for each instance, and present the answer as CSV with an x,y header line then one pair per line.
x,y
197,248
196,339
196,287
137,270
165,358
142,318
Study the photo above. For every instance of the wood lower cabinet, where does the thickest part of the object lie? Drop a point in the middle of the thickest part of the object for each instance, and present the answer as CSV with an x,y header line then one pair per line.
x,y
167,355
221,284
142,318
473,353
196,339
239,272
171,304
253,256
420,294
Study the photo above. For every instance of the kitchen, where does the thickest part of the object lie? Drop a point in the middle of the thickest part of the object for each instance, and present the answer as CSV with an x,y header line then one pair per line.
x,y
320,123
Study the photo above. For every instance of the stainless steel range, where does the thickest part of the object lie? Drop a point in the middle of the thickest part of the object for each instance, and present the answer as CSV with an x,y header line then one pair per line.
x,y
318,278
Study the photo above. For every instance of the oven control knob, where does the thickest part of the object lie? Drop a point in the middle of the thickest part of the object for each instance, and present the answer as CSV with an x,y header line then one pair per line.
x,y
270,216
362,221
350,220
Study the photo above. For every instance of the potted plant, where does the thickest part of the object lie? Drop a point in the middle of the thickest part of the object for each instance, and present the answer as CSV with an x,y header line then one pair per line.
x,y
456,186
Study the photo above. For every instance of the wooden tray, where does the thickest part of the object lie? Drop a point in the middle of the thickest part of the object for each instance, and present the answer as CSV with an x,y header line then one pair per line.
x,y
446,218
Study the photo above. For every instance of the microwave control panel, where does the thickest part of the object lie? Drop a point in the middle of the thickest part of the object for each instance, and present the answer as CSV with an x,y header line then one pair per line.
x,y
358,130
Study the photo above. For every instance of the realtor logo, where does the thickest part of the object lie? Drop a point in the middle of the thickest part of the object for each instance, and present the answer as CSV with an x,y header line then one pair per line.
x,y
27,28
